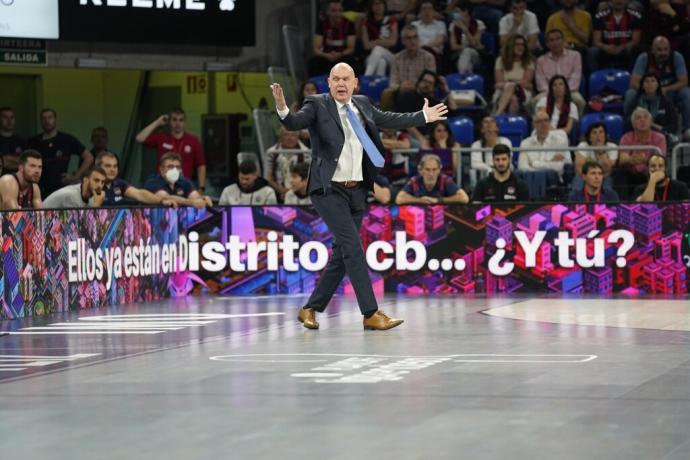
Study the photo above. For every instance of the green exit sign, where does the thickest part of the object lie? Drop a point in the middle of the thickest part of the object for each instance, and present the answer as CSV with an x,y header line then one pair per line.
x,y
23,52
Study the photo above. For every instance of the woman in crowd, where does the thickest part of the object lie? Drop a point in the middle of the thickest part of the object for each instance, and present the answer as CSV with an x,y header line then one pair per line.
x,y
606,154
465,38
514,73
379,36
558,105
441,137
481,163
664,113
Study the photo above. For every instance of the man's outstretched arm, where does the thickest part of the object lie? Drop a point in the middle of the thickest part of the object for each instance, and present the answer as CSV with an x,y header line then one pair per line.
x,y
393,120
292,121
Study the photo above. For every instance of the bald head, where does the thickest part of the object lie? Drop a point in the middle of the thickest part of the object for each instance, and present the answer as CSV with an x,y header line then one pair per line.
x,y
342,82
661,48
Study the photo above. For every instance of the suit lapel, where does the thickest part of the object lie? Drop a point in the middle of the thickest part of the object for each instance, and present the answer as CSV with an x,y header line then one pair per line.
x,y
333,110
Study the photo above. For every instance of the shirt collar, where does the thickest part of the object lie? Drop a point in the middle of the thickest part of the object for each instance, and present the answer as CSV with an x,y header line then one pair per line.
x,y
340,105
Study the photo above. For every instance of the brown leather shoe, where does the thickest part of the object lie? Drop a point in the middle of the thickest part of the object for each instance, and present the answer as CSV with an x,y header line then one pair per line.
x,y
379,321
307,316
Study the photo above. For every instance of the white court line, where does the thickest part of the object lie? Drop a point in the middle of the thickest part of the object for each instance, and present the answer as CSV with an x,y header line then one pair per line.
x,y
317,375
87,327
462,358
82,332
178,316
62,358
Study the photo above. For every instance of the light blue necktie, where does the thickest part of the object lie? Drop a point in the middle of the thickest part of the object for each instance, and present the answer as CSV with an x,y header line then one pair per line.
x,y
369,146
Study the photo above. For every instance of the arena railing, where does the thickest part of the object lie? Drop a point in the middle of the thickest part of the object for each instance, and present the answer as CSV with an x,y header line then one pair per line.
x,y
462,150
674,157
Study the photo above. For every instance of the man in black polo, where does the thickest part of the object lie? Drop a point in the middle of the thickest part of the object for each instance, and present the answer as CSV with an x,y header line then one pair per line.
x,y
11,145
660,187
56,148
501,184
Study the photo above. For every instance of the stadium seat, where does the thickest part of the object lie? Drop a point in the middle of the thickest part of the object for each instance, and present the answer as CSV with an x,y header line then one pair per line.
x,y
466,81
462,129
609,81
321,82
514,127
372,86
612,121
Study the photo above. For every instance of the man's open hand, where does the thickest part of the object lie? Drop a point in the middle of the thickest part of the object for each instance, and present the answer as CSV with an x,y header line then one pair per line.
x,y
278,96
434,113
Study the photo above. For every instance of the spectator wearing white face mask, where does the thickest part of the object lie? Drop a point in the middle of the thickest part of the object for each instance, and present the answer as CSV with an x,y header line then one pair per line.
x,y
169,183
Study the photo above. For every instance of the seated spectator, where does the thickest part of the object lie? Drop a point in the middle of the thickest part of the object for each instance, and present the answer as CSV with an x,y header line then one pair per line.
x,y
432,32
396,165
465,38
20,190
430,86
431,186
558,105
522,22
606,156
116,189
278,163
176,139
664,114
501,184
250,189
99,140
669,67
89,192
169,183
574,23
11,145
632,164
594,189
308,88
408,66
672,19
559,61
56,148
441,137
379,37
382,190
402,10
615,37
660,187
481,163
334,41
298,185
487,11
544,136
514,73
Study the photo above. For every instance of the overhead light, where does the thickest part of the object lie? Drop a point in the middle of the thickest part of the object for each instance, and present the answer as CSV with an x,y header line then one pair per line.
x,y
217,66
91,63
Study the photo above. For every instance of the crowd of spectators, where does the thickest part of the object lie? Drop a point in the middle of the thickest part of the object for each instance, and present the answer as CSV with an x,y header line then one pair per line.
x,y
534,57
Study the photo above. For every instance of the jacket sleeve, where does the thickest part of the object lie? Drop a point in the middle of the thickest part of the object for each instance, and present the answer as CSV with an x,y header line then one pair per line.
x,y
393,120
302,119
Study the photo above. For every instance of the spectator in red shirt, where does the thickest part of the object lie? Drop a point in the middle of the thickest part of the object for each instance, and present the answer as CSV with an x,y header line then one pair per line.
x,y
334,41
179,141
615,37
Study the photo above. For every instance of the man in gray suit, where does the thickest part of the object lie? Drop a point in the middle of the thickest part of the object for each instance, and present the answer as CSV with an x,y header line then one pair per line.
x,y
346,150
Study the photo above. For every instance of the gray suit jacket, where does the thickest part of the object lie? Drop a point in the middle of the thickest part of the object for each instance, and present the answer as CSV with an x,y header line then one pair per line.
x,y
319,115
